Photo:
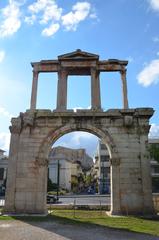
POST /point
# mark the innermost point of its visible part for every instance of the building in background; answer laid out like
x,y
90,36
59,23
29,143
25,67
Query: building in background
x,y
102,168
3,171
64,171
73,164
154,152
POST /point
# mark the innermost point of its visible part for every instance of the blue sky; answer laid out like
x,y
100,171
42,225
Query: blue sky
x,y
32,30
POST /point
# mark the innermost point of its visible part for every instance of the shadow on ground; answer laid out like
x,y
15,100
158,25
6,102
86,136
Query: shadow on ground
x,y
62,228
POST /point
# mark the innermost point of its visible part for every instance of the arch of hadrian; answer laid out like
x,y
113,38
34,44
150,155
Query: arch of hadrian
x,y
124,131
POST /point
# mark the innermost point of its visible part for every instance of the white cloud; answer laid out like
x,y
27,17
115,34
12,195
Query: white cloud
x,y
31,19
80,12
11,19
45,11
155,39
4,141
38,6
154,4
2,55
157,53
78,137
150,74
93,15
51,12
48,12
51,30
5,113
154,131
77,140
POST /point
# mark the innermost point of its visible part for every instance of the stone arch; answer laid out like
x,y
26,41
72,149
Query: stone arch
x,y
104,135
31,142
54,135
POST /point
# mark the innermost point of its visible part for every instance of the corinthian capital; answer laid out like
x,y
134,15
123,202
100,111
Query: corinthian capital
x,y
16,125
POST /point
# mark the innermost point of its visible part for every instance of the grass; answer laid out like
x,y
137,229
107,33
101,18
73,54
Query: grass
x,y
136,224
91,218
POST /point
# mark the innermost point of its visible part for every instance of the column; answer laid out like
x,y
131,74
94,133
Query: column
x,y
95,89
124,88
115,186
34,90
62,90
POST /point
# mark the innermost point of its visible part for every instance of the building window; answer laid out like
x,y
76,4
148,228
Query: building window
x,y
104,158
156,169
155,185
103,147
105,171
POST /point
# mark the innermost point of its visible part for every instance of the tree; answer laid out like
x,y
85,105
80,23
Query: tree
x,y
74,184
89,180
51,186
154,151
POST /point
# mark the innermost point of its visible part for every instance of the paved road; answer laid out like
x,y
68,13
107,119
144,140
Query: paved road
x,y
86,200
20,230
80,200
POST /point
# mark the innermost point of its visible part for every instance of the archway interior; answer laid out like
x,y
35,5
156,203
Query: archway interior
x,y
79,163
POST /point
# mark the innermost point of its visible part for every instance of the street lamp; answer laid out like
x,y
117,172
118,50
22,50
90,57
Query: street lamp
x,y
58,179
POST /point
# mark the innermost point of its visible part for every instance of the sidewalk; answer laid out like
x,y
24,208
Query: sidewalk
x,y
53,230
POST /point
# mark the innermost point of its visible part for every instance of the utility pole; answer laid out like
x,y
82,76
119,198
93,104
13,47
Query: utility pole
x,y
58,178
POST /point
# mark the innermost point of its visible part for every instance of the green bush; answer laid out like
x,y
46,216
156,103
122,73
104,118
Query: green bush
x,y
51,186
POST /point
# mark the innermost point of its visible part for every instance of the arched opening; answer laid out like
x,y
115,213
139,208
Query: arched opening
x,y
103,136
71,165
79,171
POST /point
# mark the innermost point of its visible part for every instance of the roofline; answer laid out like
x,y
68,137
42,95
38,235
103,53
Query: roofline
x,y
2,150
153,140
94,56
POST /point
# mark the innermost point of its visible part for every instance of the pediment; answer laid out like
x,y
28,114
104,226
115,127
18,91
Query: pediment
x,y
78,54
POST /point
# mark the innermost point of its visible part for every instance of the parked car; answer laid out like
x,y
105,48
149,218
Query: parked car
x,y
51,199
2,190
90,190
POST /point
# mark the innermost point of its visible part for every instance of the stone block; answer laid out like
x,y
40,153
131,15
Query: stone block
x,y
20,196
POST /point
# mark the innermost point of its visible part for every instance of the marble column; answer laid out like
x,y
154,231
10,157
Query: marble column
x,y
34,90
62,90
124,88
95,90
